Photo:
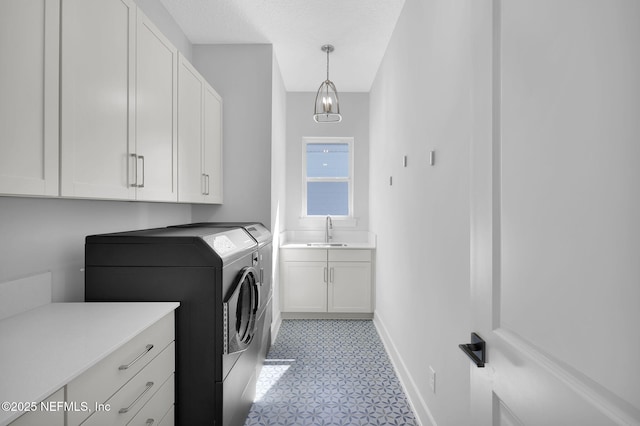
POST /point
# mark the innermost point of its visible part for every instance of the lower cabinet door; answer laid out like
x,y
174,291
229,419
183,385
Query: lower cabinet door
x,y
305,286
349,287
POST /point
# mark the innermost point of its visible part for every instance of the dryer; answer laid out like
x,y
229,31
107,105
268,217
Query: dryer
x,y
264,240
214,274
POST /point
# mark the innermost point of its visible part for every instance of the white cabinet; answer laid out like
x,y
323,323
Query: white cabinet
x,y
97,98
156,138
91,102
119,101
120,378
29,46
199,138
320,280
212,145
100,364
349,281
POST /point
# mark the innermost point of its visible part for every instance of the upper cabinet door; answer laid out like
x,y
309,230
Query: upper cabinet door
x,y
212,145
97,116
29,46
191,179
156,115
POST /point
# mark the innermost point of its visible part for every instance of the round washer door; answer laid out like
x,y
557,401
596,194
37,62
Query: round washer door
x,y
240,311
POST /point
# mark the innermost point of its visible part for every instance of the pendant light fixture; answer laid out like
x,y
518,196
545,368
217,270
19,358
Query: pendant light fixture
x,y
327,108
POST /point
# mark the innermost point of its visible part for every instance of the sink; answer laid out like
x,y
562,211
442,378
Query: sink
x,y
326,245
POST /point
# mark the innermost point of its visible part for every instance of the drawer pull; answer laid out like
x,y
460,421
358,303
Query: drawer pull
x,y
146,350
126,410
149,422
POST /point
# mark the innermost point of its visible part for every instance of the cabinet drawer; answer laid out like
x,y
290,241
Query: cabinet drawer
x,y
41,417
157,407
303,255
349,255
169,418
124,405
101,381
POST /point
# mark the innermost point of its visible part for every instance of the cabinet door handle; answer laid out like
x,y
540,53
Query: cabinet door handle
x,y
126,410
135,170
208,184
325,274
204,184
146,351
140,157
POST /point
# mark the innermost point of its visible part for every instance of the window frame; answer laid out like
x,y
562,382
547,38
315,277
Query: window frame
x,y
307,140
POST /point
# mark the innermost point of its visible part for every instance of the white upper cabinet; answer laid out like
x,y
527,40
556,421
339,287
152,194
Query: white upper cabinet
x,y
199,138
212,145
91,101
156,155
190,99
97,116
29,46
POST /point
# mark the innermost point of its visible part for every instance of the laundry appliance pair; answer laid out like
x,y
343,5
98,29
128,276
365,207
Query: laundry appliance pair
x,y
221,275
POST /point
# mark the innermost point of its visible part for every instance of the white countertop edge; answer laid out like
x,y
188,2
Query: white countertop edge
x,y
362,246
60,341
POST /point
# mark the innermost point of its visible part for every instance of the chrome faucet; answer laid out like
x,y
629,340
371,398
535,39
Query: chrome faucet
x,y
328,227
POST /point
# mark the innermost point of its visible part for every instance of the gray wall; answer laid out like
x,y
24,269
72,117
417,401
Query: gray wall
x,y
242,75
278,172
165,23
420,101
355,123
40,235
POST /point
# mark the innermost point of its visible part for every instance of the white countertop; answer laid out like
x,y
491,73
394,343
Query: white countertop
x,y
363,240
347,246
45,348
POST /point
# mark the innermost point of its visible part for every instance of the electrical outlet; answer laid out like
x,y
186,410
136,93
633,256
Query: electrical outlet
x,y
432,379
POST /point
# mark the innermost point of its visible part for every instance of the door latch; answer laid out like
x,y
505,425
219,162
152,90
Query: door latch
x,y
476,350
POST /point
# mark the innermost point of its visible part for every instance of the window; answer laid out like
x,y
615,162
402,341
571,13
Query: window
x,y
327,175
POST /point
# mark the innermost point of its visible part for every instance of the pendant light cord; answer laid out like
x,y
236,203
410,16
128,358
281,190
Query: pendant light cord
x,y
327,64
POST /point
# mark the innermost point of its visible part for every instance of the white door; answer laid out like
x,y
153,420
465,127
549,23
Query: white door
x,y
556,212
29,47
305,286
156,114
212,145
97,98
190,104
349,287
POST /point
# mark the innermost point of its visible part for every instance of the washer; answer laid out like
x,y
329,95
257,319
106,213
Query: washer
x,y
214,274
264,239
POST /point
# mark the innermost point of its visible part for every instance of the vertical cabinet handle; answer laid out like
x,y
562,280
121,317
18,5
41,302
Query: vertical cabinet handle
x,y
205,184
136,159
140,157
208,184
135,170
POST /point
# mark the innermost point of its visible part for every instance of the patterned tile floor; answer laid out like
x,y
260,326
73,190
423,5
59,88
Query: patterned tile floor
x,y
329,372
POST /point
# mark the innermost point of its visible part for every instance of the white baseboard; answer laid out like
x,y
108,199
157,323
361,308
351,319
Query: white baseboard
x,y
419,406
275,326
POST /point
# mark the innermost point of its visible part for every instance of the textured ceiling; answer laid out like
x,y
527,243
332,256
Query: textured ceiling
x,y
359,30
